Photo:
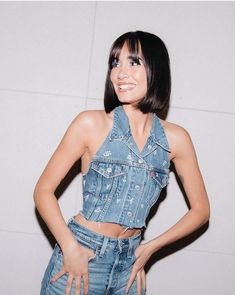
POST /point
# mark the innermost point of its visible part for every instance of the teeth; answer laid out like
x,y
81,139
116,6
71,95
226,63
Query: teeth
x,y
126,86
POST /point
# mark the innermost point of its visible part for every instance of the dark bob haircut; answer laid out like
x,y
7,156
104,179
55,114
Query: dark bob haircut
x,y
157,65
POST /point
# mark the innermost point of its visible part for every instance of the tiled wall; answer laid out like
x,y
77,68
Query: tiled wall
x,y
53,63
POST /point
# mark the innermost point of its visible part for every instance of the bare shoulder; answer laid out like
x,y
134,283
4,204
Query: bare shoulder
x,y
178,138
90,119
92,125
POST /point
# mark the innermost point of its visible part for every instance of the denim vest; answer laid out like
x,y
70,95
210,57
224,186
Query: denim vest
x,y
122,183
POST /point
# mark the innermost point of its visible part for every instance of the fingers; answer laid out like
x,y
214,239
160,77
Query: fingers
x,y
78,285
140,280
143,279
57,276
69,284
139,283
86,283
131,279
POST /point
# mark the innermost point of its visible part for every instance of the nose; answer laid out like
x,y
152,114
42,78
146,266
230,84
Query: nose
x,y
122,73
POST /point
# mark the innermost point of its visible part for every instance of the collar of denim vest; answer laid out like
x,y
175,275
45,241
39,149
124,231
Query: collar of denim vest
x,y
121,128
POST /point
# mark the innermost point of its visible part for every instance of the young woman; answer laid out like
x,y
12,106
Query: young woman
x,y
125,151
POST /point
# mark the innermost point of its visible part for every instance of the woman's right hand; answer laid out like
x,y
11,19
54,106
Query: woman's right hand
x,y
75,264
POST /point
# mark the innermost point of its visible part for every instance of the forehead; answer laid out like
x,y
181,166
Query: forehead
x,y
130,48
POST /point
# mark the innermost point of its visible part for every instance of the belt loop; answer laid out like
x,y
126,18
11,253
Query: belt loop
x,y
130,249
104,246
120,244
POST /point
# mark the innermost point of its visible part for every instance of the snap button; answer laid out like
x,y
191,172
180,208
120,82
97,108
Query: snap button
x,y
109,170
152,174
129,213
140,161
137,187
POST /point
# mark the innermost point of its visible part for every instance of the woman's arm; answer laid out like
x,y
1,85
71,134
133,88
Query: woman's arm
x,y
186,164
70,149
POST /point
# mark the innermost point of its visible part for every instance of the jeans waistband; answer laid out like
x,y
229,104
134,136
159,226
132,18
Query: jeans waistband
x,y
90,236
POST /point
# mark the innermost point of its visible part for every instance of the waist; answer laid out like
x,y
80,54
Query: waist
x,y
112,230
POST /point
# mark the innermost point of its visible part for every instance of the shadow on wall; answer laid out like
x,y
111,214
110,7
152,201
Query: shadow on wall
x,y
73,172
180,244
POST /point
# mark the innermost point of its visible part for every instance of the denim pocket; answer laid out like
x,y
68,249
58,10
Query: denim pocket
x,y
84,245
108,170
49,270
108,176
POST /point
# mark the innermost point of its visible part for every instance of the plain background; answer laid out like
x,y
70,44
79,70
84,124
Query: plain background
x,y
53,58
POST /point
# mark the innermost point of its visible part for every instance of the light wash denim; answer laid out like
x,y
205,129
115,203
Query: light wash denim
x,y
123,183
109,270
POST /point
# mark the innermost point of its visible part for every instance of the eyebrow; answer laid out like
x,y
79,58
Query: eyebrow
x,y
131,57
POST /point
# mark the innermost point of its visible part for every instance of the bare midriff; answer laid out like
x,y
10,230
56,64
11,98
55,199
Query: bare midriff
x,y
109,229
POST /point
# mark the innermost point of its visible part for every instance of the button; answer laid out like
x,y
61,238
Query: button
x,y
137,187
152,174
140,161
129,213
131,200
149,146
109,170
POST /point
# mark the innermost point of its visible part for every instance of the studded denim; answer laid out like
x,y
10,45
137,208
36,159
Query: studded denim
x,y
123,183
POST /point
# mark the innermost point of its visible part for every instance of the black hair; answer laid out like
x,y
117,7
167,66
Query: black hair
x,y
157,64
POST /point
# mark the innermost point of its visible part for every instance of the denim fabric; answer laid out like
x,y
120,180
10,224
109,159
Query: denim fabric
x,y
109,270
123,183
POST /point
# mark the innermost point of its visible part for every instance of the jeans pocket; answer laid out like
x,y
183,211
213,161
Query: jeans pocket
x,y
49,272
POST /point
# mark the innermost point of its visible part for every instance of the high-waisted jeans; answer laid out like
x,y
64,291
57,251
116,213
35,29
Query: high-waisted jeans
x,y
109,270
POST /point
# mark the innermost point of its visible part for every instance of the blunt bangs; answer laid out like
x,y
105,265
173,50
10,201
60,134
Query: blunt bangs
x,y
157,65
133,45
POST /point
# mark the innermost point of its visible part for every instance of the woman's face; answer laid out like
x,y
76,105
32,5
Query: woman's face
x,y
129,77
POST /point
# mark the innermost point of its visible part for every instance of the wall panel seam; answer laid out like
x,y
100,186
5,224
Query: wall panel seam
x,y
91,52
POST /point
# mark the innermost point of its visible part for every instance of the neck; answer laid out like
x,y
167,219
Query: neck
x,y
139,122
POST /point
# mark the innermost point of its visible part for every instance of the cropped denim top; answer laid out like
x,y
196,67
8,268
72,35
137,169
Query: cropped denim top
x,y
122,183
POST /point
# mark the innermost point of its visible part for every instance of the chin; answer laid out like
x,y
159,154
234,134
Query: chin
x,y
129,101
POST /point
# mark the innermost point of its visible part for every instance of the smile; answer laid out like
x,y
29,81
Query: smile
x,y
126,87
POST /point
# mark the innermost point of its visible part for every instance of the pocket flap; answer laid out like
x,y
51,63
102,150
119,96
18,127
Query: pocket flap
x,y
108,170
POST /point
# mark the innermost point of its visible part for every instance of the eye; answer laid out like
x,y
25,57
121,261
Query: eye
x,y
135,61
114,63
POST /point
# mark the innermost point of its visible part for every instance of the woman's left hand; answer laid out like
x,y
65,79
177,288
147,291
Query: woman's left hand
x,y
142,254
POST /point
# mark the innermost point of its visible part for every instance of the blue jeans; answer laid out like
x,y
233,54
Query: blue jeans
x,y
109,270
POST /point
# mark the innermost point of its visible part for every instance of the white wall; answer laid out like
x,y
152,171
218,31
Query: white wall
x,y
53,63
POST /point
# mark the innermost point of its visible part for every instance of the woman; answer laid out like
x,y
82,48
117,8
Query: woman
x,y
125,153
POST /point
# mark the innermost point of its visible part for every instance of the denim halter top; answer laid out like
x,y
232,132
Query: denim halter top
x,y
122,183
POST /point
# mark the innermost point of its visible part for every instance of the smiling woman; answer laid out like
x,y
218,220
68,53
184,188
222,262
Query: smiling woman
x,y
147,53
126,151
128,77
